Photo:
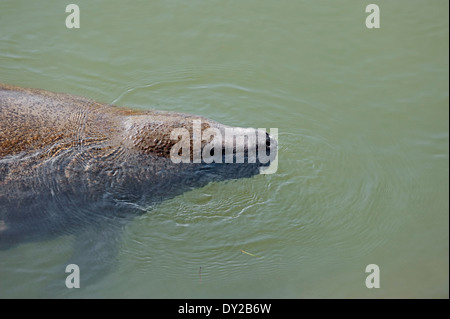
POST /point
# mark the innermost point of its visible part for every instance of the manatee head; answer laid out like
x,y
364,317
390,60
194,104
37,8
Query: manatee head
x,y
166,153
67,161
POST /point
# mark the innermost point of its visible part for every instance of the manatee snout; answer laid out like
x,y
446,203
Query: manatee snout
x,y
186,138
269,147
248,145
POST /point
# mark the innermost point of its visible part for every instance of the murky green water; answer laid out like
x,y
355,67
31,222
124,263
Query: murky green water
x,y
363,131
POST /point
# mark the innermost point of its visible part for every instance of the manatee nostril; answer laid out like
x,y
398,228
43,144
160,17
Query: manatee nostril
x,y
267,140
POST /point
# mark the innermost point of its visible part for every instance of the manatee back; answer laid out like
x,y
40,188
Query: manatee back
x,y
32,120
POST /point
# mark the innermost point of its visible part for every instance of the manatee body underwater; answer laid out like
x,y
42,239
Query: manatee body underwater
x,y
73,166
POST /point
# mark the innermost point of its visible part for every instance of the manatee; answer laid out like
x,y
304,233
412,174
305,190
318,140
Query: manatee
x,y
72,166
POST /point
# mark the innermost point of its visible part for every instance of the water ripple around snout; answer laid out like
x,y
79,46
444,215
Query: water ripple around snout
x,y
229,228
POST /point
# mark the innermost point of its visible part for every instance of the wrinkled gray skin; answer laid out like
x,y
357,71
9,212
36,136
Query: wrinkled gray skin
x,y
70,165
